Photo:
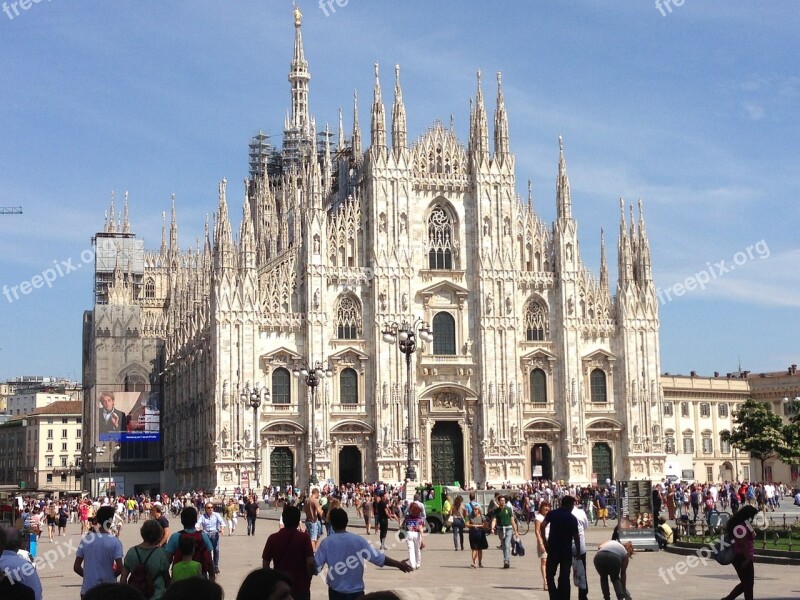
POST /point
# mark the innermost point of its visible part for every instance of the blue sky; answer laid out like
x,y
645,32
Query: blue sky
x,y
695,111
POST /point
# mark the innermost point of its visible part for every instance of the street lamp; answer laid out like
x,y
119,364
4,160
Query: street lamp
x,y
112,451
405,335
312,375
254,398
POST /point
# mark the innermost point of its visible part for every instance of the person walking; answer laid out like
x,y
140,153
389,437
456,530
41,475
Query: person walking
x,y
213,525
601,504
251,513
740,530
611,561
381,516
99,555
314,516
345,549
15,570
230,516
459,513
583,525
152,557
414,526
541,535
505,525
477,524
290,551
558,544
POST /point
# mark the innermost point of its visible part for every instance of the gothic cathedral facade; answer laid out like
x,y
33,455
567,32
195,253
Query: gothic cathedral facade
x,y
535,368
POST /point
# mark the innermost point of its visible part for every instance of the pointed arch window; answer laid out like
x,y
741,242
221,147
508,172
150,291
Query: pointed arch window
x,y
535,322
444,334
440,239
348,387
281,386
150,289
597,382
348,319
538,387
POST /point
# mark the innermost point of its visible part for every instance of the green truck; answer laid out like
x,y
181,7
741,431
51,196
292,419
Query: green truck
x,y
433,498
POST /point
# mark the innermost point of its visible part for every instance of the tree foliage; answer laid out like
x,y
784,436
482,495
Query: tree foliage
x,y
757,431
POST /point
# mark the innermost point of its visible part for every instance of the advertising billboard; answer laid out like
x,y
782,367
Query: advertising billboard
x,y
635,513
128,416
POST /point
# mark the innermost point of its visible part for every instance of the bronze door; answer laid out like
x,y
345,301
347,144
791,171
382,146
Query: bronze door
x,y
281,467
601,463
447,453
350,465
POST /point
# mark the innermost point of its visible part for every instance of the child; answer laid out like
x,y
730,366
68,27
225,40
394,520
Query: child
x,y
187,567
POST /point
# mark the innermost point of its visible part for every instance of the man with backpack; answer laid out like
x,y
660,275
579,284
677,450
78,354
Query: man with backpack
x,y
146,566
202,545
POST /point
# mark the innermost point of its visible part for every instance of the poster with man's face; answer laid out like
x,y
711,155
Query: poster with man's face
x,y
128,416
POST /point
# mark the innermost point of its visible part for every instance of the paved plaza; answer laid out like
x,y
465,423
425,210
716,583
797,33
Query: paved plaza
x,y
446,574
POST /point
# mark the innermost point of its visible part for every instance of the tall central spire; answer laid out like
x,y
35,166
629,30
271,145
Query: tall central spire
x,y
299,78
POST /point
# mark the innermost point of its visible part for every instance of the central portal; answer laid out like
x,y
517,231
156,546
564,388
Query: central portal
x,y
447,453
350,465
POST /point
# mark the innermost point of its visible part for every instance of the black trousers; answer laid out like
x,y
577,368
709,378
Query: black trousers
x,y
251,525
383,524
562,564
746,572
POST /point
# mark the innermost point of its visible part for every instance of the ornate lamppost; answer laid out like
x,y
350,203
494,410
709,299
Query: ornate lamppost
x,y
312,374
405,335
253,396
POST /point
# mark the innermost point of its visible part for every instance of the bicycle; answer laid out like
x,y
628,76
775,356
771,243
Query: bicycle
x,y
523,522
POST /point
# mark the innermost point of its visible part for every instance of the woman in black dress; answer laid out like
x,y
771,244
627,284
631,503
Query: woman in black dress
x,y
477,524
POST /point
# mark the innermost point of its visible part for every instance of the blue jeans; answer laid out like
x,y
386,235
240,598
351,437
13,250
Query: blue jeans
x,y
507,532
214,537
458,532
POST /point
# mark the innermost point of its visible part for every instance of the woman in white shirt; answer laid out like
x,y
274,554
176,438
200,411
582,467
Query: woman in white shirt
x,y
611,561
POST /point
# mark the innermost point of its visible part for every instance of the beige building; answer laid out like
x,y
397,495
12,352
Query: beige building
x,y
41,450
23,403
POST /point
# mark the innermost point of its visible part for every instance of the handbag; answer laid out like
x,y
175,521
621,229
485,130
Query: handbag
x,y
520,548
723,550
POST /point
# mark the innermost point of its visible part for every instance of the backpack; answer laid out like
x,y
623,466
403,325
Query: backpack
x,y
140,577
201,553
709,503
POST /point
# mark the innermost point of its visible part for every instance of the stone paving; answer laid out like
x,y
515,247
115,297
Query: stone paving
x,y
446,574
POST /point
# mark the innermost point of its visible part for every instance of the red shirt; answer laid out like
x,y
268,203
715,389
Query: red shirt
x,y
289,549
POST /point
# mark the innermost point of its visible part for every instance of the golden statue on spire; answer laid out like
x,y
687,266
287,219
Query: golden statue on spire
x,y
298,16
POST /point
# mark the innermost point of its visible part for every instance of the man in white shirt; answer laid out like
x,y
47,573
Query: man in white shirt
x,y
583,525
213,524
16,569
99,556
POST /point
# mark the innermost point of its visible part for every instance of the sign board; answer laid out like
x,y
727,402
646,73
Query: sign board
x,y
245,479
635,514
537,471
687,474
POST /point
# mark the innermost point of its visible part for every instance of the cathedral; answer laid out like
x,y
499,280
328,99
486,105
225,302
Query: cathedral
x,y
535,367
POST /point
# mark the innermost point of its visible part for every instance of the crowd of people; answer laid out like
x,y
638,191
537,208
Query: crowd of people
x,y
313,535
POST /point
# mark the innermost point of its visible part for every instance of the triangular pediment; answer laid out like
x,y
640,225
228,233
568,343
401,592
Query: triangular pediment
x,y
539,353
446,287
281,356
599,355
348,352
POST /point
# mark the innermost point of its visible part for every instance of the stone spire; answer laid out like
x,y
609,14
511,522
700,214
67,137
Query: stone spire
x,y
399,127
378,127
163,233
500,124
357,151
340,142
246,239
126,225
603,263
327,165
479,129
530,196
223,238
624,267
112,223
299,78
645,267
563,195
173,229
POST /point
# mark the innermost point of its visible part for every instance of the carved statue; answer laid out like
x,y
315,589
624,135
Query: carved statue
x,y
382,223
468,347
489,304
382,300
316,244
509,304
385,435
223,437
404,301
248,437
316,299
317,438
514,432
403,225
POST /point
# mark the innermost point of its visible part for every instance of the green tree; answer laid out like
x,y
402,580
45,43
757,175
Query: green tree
x,y
757,431
791,435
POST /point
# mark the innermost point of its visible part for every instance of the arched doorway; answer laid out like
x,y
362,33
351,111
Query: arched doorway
x,y
447,453
350,465
726,471
281,467
542,461
602,462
